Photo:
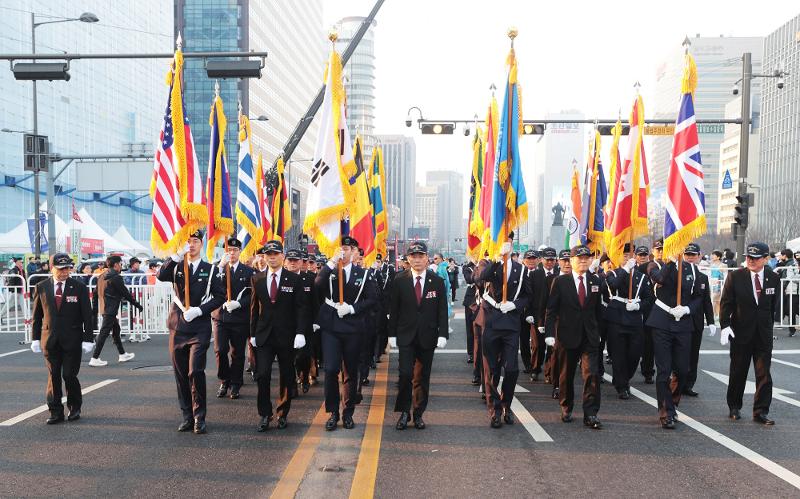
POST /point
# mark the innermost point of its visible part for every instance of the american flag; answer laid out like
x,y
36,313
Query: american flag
x,y
685,216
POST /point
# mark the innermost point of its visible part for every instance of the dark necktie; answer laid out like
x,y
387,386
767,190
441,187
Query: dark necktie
x,y
59,294
418,290
273,288
758,289
581,291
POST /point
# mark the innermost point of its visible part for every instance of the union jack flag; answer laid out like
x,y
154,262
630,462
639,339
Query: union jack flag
x,y
685,214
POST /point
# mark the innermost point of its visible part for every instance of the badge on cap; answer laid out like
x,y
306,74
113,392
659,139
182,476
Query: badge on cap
x,y
293,254
642,250
234,243
757,250
62,261
349,241
416,248
564,254
580,251
198,234
549,253
273,247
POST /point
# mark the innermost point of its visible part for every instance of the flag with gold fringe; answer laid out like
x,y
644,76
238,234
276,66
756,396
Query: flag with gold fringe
x,y
377,197
218,182
473,226
359,210
613,182
481,226
595,195
281,209
572,234
248,205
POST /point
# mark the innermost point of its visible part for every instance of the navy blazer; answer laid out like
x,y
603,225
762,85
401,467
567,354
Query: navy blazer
x,y
517,291
240,291
198,284
665,281
66,326
327,283
426,321
568,321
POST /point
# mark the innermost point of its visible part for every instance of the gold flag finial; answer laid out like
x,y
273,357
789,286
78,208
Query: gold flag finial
x,y
333,35
512,33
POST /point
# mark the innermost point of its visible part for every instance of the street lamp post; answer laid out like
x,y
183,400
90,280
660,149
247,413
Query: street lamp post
x,y
86,17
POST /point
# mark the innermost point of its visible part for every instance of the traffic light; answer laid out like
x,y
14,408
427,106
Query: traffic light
x,y
533,129
608,129
741,210
437,128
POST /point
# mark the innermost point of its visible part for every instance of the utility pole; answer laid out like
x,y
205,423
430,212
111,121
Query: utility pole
x,y
744,149
38,244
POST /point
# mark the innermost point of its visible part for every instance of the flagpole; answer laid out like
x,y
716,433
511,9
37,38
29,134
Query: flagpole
x,y
186,303
228,274
512,33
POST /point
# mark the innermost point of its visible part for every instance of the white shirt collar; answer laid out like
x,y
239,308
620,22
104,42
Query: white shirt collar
x,y
270,273
414,275
575,276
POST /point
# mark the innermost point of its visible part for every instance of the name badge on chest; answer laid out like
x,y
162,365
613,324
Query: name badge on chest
x,y
72,299
770,291
595,289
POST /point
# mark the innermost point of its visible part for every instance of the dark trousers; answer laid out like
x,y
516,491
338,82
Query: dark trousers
x,y
500,350
525,344
188,353
625,348
287,390
110,326
367,354
453,288
568,362
741,356
551,364
230,339
480,367
63,364
415,378
469,318
381,339
538,349
304,362
694,359
341,348
602,328
648,355
316,352
672,351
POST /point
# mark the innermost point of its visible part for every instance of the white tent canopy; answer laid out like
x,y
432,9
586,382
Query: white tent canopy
x,y
122,235
18,240
91,230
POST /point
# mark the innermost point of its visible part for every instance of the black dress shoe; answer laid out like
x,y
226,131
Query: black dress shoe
x,y
508,418
330,424
55,419
470,359
689,392
668,423
555,393
187,425
306,387
534,377
282,423
735,415
763,419
74,415
373,364
418,422
592,422
263,425
402,421
566,417
347,423
199,427
624,395
476,381
223,390
234,393
648,380
365,382
495,422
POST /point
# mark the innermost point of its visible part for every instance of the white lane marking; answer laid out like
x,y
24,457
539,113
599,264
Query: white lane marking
x,y
43,408
725,352
750,387
752,456
528,421
785,363
15,351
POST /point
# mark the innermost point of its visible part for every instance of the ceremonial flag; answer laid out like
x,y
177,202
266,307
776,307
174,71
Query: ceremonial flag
x,y
685,214
248,198
359,209
473,226
482,223
595,195
176,189
266,187
218,183
377,193
613,182
628,204
509,201
573,233
281,209
333,160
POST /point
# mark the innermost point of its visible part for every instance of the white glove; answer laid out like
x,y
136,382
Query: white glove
x,y
594,265
177,257
36,346
505,248
192,313
632,306
441,342
232,305
629,265
393,342
253,341
507,306
87,346
225,260
344,309
299,341
549,341
723,337
679,312
712,329
337,256
529,319
684,310
315,327
541,329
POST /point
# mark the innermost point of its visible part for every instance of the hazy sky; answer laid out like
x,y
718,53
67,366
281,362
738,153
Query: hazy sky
x,y
442,55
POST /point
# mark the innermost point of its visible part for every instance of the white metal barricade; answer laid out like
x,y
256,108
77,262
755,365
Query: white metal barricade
x,y
14,305
788,305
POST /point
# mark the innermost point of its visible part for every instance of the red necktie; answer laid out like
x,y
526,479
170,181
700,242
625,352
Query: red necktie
x,y
59,294
418,290
758,289
581,291
273,288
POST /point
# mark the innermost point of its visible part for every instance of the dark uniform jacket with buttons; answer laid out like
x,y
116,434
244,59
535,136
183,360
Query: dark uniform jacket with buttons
x,y
707,310
426,321
739,311
359,291
66,326
618,283
279,322
206,291
517,292
665,282
467,270
240,291
566,320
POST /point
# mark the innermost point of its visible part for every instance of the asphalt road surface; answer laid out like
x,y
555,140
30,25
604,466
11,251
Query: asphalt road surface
x,y
126,443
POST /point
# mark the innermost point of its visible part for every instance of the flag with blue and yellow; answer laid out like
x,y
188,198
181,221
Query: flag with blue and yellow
x,y
218,186
248,206
377,197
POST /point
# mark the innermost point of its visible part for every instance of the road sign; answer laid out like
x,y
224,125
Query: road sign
x,y
727,181
35,149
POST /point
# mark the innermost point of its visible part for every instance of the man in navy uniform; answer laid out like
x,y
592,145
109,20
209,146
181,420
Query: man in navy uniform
x,y
541,282
417,326
230,323
572,310
62,327
470,309
672,325
501,335
747,308
294,263
702,316
342,327
648,355
279,318
527,329
190,327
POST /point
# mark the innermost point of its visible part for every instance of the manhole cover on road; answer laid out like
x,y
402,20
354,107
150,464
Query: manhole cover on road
x,y
153,369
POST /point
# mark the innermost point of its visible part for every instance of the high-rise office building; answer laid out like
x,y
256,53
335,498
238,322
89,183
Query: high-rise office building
x,y
426,213
400,165
718,67
450,205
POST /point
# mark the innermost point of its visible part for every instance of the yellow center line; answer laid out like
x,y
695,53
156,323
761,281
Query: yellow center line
x,y
367,468
293,475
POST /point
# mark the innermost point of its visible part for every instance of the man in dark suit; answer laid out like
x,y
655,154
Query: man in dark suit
x,y
111,290
190,327
342,325
230,322
385,275
747,309
572,310
527,329
417,325
672,325
648,355
470,310
304,359
501,334
551,366
692,255
62,327
279,319
537,279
